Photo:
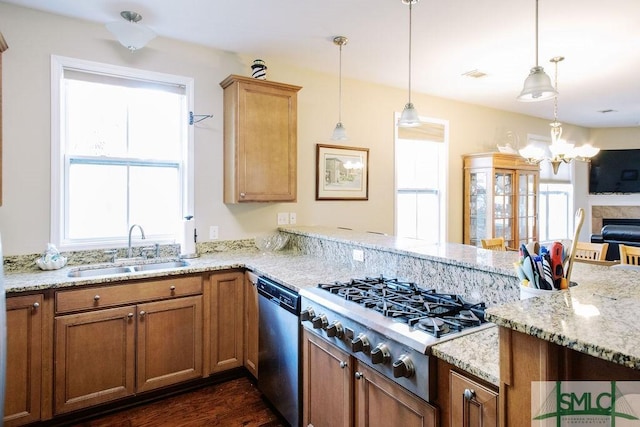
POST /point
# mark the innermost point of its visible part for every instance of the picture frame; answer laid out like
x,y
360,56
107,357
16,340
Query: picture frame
x,y
342,173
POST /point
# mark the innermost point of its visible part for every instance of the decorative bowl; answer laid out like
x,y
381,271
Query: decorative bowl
x,y
271,242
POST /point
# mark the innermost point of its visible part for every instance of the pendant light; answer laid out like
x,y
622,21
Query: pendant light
x,y
537,86
129,32
409,117
340,133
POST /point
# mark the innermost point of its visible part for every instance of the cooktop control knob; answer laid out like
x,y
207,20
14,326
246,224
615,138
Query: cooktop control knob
x,y
307,314
335,329
403,367
320,321
380,354
360,343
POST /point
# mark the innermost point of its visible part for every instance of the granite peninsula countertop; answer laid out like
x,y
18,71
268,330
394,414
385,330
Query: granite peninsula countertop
x,y
598,317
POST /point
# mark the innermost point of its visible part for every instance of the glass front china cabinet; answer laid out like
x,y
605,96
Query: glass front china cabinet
x,y
500,199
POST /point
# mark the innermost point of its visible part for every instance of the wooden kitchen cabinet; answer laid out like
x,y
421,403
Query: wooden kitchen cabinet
x,y
500,199
339,390
327,386
251,320
24,360
472,404
110,352
260,140
226,306
380,402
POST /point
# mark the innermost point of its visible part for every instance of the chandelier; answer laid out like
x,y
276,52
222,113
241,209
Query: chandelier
x,y
340,133
561,151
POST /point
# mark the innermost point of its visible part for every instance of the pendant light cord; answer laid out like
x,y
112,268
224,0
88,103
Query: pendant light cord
x,y
536,33
410,6
340,87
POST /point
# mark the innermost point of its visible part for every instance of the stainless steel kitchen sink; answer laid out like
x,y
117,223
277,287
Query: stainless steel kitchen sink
x,y
107,271
160,265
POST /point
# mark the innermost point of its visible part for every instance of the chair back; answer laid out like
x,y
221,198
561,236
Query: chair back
x,y
495,244
591,251
629,254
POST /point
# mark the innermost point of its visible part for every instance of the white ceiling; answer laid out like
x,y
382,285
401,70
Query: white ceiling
x,y
599,39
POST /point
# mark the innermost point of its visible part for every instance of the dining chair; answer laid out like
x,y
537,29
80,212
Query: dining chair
x,y
629,255
495,244
591,251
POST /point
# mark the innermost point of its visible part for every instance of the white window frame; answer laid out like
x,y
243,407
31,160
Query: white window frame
x,y
58,65
443,199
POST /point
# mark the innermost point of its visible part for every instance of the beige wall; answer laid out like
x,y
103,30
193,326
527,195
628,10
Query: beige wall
x,y
368,112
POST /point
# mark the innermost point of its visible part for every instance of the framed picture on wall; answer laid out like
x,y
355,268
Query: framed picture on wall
x,y
342,173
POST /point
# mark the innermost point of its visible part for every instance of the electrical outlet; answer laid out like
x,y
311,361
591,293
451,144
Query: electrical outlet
x,y
293,218
283,218
213,232
358,255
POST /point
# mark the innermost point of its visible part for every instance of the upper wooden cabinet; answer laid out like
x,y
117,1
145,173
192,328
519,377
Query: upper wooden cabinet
x,y
260,140
500,199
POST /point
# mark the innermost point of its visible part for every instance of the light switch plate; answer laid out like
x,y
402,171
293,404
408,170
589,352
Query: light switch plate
x,y
293,218
213,232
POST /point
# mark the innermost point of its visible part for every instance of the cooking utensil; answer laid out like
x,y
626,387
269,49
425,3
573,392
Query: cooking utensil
x,y
579,220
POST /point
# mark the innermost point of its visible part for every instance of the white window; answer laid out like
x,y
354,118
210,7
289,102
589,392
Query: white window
x,y
420,181
121,153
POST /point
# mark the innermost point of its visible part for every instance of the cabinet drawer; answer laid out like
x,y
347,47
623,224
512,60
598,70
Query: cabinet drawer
x,y
127,293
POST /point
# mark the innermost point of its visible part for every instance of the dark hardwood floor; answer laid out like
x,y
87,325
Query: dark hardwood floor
x,y
235,403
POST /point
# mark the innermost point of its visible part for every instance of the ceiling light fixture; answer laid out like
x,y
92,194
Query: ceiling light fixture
x,y
537,85
130,33
340,133
561,150
409,117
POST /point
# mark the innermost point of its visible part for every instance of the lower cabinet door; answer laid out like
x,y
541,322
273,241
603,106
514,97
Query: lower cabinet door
x,y
380,402
94,358
472,404
327,384
24,360
169,342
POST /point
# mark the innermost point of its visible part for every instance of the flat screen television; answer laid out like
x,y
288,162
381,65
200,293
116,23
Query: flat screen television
x,y
615,171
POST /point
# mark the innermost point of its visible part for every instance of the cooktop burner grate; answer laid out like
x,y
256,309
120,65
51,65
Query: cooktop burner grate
x,y
424,309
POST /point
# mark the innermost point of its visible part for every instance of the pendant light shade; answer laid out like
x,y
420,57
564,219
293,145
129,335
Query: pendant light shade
x,y
129,32
537,85
340,133
409,116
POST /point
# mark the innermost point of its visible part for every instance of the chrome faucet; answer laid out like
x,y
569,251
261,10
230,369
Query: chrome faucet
x,y
130,230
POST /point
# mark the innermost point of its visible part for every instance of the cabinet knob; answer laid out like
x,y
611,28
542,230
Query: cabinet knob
x,y
36,305
343,365
242,194
130,315
142,313
469,394
172,288
359,375
96,298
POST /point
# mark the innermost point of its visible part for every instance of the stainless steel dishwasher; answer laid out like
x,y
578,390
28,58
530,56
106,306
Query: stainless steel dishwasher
x,y
279,348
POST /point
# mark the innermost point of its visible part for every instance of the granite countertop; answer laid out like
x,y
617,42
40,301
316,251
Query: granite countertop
x,y
598,317
290,268
475,353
